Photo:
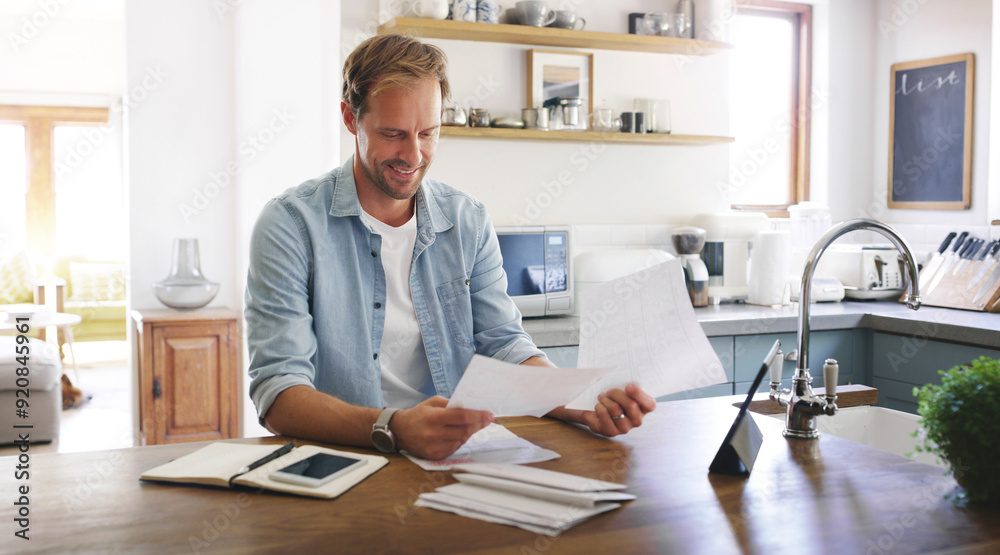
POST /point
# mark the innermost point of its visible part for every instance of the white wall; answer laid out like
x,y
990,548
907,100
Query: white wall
x,y
927,30
236,106
604,184
293,106
61,55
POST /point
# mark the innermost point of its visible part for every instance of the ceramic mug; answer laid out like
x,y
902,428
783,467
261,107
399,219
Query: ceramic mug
x,y
535,13
464,10
433,9
488,11
566,19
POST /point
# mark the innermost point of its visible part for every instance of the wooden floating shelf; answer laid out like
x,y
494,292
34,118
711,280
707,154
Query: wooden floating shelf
x,y
549,36
582,136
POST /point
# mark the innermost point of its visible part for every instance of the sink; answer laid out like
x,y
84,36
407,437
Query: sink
x,y
880,428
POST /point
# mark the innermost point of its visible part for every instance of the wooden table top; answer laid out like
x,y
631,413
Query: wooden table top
x,y
834,495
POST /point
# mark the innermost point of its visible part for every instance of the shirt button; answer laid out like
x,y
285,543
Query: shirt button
x,y
375,356
374,254
378,305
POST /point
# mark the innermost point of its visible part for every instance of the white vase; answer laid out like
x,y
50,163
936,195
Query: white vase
x,y
185,287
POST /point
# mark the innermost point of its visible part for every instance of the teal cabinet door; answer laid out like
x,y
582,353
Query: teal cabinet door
x,y
900,363
750,351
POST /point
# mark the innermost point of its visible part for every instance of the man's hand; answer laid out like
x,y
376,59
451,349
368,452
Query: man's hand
x,y
616,412
431,431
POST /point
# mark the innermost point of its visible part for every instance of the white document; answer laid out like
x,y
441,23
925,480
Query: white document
x,y
644,325
507,389
493,444
539,476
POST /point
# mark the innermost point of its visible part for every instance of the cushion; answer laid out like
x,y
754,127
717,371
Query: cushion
x,y
17,279
96,281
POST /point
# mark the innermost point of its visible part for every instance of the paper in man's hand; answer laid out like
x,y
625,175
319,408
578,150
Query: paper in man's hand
x,y
507,389
644,325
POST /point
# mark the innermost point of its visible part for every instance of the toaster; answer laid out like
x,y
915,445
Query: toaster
x,y
863,267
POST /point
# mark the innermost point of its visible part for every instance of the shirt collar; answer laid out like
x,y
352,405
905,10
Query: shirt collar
x,y
345,201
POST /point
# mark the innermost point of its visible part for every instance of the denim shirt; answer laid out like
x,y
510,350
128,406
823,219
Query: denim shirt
x,y
316,292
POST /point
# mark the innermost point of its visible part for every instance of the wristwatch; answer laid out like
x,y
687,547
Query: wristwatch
x,y
381,434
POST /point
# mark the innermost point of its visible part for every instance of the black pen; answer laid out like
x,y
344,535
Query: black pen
x,y
284,450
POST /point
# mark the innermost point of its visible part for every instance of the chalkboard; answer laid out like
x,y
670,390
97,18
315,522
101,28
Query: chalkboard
x,y
930,133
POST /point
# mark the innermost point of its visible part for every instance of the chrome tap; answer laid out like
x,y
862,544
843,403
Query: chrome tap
x,y
803,405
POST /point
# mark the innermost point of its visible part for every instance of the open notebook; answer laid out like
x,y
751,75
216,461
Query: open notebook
x,y
219,464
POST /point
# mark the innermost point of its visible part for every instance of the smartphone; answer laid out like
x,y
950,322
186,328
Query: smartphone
x,y
317,470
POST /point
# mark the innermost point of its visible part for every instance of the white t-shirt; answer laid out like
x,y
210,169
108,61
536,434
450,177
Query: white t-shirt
x,y
406,375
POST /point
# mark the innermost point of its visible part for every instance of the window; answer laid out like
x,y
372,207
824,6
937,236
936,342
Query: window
x,y
770,83
44,187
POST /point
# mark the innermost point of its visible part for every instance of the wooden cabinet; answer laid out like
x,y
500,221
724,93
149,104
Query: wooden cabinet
x,y
189,380
548,36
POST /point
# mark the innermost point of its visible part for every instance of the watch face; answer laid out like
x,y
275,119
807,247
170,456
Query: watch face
x,y
383,441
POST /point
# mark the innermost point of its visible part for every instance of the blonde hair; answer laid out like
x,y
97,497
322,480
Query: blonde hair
x,y
386,61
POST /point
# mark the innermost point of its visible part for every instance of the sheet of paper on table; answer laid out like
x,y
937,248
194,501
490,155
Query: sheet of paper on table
x,y
493,444
644,325
507,389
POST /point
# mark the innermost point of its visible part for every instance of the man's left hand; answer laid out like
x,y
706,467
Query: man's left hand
x,y
616,412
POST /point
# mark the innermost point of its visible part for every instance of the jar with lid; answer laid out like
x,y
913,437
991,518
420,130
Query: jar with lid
x,y
809,221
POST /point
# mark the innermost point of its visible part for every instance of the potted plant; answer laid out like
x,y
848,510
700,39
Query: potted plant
x,y
962,422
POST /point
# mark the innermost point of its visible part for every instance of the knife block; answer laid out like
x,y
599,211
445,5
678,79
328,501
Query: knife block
x,y
951,293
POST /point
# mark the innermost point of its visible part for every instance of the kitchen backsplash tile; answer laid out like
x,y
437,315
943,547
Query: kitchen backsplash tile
x,y
628,235
592,235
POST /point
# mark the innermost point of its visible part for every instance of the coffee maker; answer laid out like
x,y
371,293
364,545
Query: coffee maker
x,y
688,242
728,241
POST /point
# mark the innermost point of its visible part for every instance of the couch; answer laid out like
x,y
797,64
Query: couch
x,y
93,289
44,391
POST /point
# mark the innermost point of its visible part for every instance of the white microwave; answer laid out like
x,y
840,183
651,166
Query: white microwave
x,y
539,268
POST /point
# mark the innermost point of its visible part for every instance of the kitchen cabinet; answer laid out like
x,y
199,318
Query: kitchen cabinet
x,y
742,355
566,357
750,351
189,374
900,363
548,36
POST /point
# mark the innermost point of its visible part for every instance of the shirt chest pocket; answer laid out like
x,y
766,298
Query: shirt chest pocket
x,y
456,302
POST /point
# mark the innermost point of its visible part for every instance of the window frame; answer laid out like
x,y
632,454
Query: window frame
x,y
39,127
800,115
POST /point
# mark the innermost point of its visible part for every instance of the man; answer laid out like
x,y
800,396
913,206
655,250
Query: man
x,y
373,286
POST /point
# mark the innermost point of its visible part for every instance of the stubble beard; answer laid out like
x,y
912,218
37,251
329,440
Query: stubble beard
x,y
382,183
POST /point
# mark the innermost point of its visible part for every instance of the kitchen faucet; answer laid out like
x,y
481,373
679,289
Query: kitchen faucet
x,y
803,405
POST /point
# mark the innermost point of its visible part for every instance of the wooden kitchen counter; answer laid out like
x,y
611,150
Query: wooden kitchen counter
x,y
830,495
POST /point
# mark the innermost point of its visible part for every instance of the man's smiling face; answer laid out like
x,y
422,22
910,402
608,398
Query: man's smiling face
x,y
397,138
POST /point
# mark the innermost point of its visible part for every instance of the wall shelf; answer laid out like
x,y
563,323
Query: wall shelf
x,y
549,36
581,136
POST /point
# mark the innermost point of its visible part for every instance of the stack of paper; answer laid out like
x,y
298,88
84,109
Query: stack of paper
x,y
542,501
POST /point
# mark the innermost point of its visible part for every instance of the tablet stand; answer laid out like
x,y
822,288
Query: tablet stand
x,y
739,449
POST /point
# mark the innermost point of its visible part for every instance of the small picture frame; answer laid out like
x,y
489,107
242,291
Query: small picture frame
x,y
560,73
